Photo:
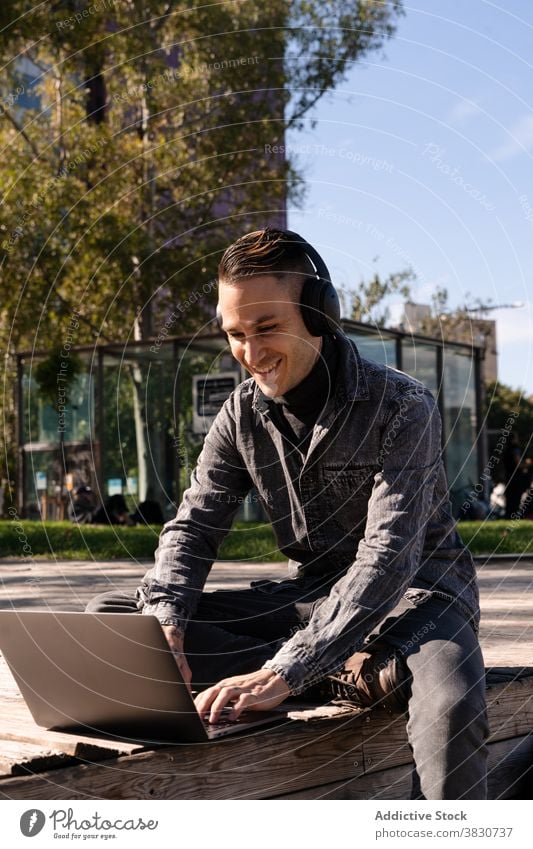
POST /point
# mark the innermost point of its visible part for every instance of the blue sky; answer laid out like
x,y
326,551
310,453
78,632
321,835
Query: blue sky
x,y
423,157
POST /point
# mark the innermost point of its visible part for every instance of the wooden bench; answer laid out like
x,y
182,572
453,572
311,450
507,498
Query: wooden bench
x,y
315,752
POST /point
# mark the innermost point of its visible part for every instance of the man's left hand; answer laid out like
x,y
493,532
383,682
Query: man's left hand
x,y
261,690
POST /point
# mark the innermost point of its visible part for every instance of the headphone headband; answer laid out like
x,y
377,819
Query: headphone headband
x,y
312,253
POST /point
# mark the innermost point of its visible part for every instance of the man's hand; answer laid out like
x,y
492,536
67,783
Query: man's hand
x,y
174,637
261,690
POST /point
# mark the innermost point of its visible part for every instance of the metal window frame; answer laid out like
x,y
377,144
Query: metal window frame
x,y
210,342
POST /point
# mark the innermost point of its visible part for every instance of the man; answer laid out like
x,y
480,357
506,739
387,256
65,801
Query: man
x,y
345,455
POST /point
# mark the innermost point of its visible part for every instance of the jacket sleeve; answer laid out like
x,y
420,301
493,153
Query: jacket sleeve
x,y
389,554
189,544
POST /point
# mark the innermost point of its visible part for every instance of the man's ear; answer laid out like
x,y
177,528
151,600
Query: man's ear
x,y
218,317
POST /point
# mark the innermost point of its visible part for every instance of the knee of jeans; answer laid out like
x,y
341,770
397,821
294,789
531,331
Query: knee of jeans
x,y
100,603
94,606
460,714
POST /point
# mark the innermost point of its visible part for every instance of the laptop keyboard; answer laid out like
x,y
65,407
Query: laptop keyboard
x,y
225,723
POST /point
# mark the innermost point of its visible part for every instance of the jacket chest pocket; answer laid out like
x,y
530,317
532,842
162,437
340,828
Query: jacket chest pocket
x,y
347,492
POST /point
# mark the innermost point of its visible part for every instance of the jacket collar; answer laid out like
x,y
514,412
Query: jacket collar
x,y
353,377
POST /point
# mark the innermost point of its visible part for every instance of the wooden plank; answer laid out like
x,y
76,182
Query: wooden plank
x,y
71,584
76,745
500,674
506,632
294,761
510,709
392,783
19,758
384,738
385,742
510,767
509,763
282,760
279,761
510,713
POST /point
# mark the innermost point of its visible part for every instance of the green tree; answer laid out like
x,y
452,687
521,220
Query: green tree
x,y
146,149
465,323
504,405
368,301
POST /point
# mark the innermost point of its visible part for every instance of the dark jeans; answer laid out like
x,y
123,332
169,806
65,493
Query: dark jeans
x,y
236,631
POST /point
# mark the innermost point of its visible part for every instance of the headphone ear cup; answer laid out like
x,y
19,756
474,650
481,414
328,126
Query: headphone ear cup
x,y
320,307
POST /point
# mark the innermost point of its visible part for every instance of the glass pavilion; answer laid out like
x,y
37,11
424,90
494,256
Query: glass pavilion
x,y
131,420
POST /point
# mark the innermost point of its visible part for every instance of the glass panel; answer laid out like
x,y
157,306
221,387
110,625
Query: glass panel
x,y
420,360
381,349
459,425
150,444
30,409
41,482
137,424
41,421
52,476
188,443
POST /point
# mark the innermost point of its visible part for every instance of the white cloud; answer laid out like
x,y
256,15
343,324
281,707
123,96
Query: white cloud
x,y
462,110
520,139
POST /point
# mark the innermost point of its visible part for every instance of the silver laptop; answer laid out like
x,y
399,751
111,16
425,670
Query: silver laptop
x,y
107,673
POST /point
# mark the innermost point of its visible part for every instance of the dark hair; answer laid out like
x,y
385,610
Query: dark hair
x,y
269,251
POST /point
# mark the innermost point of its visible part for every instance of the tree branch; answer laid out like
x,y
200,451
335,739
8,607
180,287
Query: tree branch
x,y
98,333
22,132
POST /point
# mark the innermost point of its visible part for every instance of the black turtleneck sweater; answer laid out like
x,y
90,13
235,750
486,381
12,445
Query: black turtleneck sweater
x,y
296,412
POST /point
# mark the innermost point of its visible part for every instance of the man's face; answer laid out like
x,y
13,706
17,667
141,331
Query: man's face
x,y
267,334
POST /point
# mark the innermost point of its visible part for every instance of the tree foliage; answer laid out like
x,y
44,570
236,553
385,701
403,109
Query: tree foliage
x,y
146,149
369,298
465,323
49,379
506,406
134,139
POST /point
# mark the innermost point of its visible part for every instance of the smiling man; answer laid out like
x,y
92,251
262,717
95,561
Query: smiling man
x,y
345,455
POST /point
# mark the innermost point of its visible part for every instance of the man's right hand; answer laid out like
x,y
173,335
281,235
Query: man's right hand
x,y
175,637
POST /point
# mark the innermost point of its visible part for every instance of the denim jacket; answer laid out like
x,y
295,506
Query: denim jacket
x,y
364,516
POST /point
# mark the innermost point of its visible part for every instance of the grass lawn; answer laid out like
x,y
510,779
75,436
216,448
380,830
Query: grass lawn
x,y
246,541
64,540
501,537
